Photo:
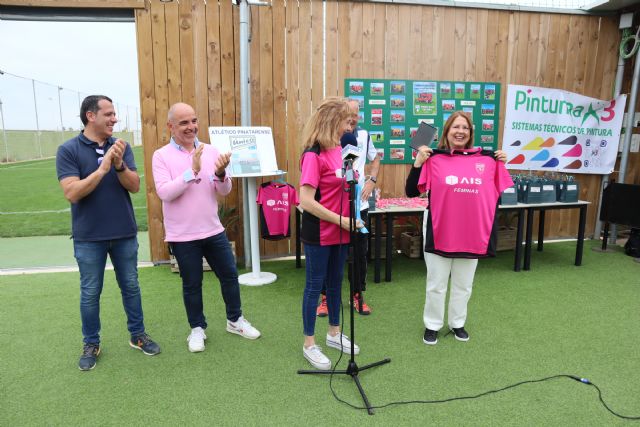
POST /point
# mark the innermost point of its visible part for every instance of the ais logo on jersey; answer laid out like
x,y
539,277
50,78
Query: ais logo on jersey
x,y
272,202
453,180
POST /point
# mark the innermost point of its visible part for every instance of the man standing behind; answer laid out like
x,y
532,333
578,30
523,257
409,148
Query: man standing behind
x,y
367,185
97,173
189,175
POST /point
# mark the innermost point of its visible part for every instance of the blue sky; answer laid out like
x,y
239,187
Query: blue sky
x,y
90,58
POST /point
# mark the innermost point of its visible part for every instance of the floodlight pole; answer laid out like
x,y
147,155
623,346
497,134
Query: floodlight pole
x,y
4,135
35,109
60,111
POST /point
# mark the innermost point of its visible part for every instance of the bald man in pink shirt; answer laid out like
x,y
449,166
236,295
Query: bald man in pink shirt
x,y
189,176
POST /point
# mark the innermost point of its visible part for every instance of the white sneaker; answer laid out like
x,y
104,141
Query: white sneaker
x,y
315,356
196,340
243,328
346,344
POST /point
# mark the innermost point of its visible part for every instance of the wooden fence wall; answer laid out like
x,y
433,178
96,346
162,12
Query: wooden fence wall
x,y
188,51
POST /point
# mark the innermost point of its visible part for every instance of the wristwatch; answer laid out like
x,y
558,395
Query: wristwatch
x,y
123,167
373,179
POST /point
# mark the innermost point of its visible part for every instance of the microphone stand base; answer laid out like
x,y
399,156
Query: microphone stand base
x,y
352,370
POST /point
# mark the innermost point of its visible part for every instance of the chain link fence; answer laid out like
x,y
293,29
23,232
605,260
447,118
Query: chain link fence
x,y
36,117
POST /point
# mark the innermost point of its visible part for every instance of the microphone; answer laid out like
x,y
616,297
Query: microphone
x,y
349,145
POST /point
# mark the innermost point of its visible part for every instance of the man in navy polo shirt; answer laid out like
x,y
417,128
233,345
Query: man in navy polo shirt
x,y
97,172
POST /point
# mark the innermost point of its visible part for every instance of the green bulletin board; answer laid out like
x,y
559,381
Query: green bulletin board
x,y
391,111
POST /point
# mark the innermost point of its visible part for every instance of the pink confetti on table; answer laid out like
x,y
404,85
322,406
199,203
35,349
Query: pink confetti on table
x,y
404,202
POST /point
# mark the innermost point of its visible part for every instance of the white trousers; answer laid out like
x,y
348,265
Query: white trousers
x,y
439,269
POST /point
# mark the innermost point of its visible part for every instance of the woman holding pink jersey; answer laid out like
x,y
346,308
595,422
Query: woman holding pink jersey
x,y
463,183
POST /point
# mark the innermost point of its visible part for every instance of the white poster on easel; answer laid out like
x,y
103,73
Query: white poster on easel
x,y
252,149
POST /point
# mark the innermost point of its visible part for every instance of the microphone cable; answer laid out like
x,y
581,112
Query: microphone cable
x,y
489,392
471,397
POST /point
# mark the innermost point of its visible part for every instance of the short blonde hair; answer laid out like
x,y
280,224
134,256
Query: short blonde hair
x,y
323,127
444,142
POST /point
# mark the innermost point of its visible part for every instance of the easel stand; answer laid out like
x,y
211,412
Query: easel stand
x,y
352,368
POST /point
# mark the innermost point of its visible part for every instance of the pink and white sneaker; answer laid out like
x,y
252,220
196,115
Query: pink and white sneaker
x,y
243,328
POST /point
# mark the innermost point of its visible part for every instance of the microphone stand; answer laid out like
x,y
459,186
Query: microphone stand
x,y
352,368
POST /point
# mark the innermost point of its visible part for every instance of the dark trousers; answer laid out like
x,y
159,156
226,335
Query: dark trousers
x,y
217,251
324,266
362,240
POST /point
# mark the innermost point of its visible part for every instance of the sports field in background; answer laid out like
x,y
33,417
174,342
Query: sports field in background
x,y
32,203
21,145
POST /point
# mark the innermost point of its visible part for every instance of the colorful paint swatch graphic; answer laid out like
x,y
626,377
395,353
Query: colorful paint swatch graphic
x,y
541,156
516,144
534,144
551,163
517,160
576,151
576,164
550,142
569,141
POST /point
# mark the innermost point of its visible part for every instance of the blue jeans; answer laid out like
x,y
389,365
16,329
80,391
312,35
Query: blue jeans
x,y
324,265
92,258
217,251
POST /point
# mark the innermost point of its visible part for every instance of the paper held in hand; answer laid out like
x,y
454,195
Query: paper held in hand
x,y
252,149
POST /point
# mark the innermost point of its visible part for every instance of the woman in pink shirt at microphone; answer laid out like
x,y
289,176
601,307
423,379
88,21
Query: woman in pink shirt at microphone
x,y
325,223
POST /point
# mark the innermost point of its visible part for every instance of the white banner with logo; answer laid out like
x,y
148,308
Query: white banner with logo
x,y
556,130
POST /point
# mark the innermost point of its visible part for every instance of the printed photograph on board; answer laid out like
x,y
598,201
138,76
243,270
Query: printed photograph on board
x,y
475,91
424,99
397,116
397,101
489,92
356,88
377,89
376,117
396,153
488,109
397,86
358,98
445,90
397,131
377,136
448,105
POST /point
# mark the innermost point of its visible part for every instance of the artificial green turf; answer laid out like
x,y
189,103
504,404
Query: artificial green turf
x,y
554,319
29,188
51,251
